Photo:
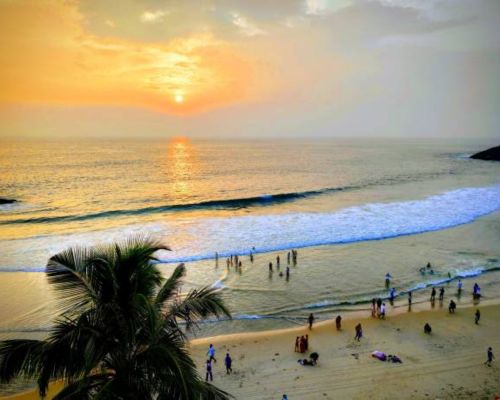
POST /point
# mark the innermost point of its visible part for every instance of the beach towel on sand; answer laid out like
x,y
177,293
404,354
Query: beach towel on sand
x,y
379,355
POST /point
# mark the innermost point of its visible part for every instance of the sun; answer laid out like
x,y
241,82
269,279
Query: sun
x,y
179,98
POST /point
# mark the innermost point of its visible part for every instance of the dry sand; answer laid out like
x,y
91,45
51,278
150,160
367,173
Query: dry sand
x,y
448,364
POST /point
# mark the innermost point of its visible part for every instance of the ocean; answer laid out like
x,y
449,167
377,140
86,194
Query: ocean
x,y
353,209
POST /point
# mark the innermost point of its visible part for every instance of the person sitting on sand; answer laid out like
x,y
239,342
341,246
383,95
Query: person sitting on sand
x,y
285,397
297,344
477,317
338,322
359,332
452,307
427,328
313,360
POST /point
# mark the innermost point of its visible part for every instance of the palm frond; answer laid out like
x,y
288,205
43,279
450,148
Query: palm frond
x,y
20,357
198,304
170,286
84,388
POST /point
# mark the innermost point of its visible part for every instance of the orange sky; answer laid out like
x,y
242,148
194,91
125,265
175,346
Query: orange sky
x,y
48,56
249,68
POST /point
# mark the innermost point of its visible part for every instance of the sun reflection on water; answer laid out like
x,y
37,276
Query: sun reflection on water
x,y
182,166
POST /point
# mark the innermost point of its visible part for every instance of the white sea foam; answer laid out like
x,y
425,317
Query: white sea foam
x,y
373,221
199,238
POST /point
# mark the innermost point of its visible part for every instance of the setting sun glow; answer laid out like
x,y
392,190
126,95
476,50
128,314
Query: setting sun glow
x,y
179,98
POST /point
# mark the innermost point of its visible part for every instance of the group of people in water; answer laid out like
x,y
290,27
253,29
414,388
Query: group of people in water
x,y
236,262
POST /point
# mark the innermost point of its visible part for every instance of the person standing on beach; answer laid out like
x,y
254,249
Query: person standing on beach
x,y
211,353
251,257
382,311
311,320
433,295
297,344
228,362
306,342
287,272
359,332
441,294
379,304
459,287
410,297
387,279
288,258
302,344
477,317
490,356
270,267
208,367
278,261
338,322
392,295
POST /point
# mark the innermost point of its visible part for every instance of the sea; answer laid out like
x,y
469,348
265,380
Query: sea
x,y
353,209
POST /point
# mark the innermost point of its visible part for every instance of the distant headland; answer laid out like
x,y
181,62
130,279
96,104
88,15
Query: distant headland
x,y
7,201
492,154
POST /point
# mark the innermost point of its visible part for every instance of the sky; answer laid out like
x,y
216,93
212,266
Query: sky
x,y
255,68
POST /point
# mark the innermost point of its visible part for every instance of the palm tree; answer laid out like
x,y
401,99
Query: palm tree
x,y
119,333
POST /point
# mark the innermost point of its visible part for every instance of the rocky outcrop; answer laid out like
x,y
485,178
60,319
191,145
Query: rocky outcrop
x,y
7,201
492,154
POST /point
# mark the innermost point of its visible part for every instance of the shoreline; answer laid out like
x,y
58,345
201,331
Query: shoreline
x,y
447,361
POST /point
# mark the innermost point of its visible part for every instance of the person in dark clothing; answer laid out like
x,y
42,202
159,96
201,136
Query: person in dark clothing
x,y
433,295
410,297
306,342
270,267
490,356
297,344
427,328
452,307
208,367
441,294
311,320
359,332
477,317
338,322
379,304
228,362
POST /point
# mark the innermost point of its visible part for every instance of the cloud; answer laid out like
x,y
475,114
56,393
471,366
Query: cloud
x,y
153,16
110,23
68,65
246,27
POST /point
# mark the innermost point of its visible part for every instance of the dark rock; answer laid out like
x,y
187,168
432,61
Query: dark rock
x,y
7,201
492,154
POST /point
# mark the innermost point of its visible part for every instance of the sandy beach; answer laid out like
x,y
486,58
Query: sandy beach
x,y
448,364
